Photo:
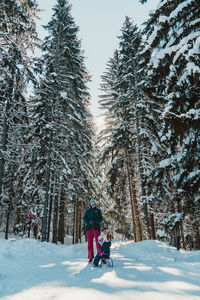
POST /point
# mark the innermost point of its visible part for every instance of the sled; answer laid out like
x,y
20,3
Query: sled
x,y
107,261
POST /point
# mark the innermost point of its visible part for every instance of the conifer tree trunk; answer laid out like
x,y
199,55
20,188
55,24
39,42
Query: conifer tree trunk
x,y
151,221
197,238
134,205
29,228
136,213
182,236
1,217
80,221
50,210
55,221
48,176
77,223
55,214
35,230
152,227
3,150
7,221
45,216
49,217
131,201
140,167
74,224
61,224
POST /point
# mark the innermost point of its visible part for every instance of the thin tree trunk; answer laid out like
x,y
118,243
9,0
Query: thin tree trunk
x,y
1,217
35,230
197,238
152,227
136,213
191,242
182,236
178,237
61,226
50,210
55,216
74,224
45,216
7,221
84,228
134,205
49,218
77,223
131,196
29,228
80,221
2,159
139,158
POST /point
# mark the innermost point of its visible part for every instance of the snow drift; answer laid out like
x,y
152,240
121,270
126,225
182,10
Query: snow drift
x,y
149,270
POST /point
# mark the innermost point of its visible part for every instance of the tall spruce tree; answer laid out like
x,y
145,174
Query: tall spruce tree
x,y
124,138
112,157
17,38
61,155
172,57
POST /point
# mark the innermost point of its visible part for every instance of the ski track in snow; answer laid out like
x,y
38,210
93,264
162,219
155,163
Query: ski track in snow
x,y
31,270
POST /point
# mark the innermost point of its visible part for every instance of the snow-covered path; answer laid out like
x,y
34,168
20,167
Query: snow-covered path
x,y
30,270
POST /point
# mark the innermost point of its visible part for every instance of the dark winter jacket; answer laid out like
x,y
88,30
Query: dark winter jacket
x,y
105,248
92,218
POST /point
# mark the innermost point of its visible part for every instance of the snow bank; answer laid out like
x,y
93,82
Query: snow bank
x,y
149,270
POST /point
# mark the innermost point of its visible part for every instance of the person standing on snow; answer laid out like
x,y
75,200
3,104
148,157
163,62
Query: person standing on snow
x,y
92,220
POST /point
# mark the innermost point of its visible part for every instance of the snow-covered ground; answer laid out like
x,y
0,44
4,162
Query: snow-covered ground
x,y
31,270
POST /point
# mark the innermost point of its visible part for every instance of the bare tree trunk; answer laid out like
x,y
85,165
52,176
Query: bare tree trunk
x,y
141,170
1,217
84,228
2,159
197,238
136,214
77,223
182,236
74,224
35,230
7,221
191,242
29,228
131,196
178,237
49,218
50,209
61,224
45,216
80,221
151,226
55,216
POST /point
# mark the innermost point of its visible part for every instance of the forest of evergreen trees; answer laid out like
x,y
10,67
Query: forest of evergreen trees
x,y
143,168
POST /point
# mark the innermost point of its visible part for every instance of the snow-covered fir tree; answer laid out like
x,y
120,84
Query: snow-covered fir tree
x,y
61,160
128,110
172,57
17,38
112,156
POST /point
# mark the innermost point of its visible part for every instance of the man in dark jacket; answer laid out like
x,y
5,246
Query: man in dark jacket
x,y
92,220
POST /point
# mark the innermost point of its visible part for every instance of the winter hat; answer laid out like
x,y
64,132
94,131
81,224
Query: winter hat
x,y
101,239
92,201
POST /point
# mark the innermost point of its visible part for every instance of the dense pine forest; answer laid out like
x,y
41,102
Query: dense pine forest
x,y
143,168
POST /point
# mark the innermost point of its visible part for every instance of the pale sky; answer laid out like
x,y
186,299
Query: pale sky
x,y
99,23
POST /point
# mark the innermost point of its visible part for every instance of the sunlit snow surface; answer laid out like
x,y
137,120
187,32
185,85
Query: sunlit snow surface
x,y
31,270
